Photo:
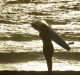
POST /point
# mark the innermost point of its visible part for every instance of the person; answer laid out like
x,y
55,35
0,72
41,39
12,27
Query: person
x,y
47,44
45,35
47,47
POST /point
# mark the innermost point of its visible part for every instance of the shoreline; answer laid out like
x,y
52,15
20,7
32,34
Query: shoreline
x,y
39,73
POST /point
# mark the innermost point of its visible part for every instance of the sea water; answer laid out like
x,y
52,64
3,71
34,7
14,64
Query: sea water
x,y
21,46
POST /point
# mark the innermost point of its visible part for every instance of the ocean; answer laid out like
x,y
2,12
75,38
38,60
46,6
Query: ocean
x,y
20,44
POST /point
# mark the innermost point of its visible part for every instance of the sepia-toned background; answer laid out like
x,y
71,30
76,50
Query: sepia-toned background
x,y
20,45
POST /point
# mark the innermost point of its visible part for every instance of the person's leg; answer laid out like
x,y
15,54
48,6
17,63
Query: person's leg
x,y
48,56
49,64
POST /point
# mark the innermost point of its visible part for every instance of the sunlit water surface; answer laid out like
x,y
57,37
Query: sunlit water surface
x,y
21,44
36,46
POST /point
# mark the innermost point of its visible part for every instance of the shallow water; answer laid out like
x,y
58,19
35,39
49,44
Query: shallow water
x,y
20,46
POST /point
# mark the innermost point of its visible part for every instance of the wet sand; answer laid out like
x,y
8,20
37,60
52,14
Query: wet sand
x,y
39,73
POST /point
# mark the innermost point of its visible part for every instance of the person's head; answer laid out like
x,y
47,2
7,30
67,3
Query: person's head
x,y
40,25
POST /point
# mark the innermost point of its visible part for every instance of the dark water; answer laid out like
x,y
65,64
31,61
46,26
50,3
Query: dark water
x,y
20,46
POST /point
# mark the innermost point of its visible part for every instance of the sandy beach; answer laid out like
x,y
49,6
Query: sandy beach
x,y
39,73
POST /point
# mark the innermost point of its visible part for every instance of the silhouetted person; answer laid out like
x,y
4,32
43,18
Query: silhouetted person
x,y
45,35
47,47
